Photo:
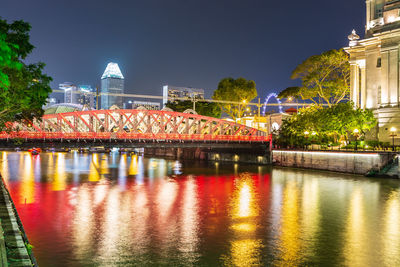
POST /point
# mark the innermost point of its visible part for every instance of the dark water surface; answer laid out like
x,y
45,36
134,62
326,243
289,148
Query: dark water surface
x,y
122,210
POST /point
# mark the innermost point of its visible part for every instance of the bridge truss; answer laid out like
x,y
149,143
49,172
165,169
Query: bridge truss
x,y
134,124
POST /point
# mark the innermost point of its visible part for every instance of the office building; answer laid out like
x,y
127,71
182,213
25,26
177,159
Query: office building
x,y
112,82
181,92
70,92
146,104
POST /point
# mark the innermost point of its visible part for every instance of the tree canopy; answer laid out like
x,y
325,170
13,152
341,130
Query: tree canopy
x,y
235,90
202,108
325,78
332,123
23,87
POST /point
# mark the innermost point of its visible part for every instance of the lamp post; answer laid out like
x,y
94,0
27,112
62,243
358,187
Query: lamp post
x,y
356,132
393,134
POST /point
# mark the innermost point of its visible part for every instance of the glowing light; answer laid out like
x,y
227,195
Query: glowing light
x,y
246,227
246,252
267,100
59,182
306,133
335,154
356,131
112,71
393,129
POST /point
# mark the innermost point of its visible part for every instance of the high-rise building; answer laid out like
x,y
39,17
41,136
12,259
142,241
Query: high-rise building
x,y
374,65
86,96
146,104
82,94
70,92
112,82
181,92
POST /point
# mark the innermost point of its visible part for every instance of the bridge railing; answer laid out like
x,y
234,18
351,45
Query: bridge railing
x,y
134,124
136,136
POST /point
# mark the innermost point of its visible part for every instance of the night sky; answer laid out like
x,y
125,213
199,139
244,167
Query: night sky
x,y
183,43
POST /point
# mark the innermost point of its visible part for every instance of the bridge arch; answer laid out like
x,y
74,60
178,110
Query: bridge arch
x,y
135,124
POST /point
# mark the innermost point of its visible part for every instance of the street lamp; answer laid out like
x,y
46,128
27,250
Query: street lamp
x,y
393,134
355,133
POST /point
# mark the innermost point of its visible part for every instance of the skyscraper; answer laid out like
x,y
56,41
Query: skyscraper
x,y
70,92
181,92
112,82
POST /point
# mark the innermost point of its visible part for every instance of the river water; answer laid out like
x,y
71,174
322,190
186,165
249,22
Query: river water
x,y
128,210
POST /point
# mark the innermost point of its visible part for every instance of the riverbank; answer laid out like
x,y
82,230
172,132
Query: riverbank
x,y
337,161
15,248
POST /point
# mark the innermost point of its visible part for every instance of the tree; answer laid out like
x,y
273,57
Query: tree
x,y
239,90
202,108
23,87
290,92
325,78
329,123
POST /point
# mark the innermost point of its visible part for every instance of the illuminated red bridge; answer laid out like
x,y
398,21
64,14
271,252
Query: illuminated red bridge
x,y
134,126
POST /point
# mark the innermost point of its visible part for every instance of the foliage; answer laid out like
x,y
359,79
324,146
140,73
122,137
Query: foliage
x,y
325,125
23,87
290,92
239,90
325,78
202,108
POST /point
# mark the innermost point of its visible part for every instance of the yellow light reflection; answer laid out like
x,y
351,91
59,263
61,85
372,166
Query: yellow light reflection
x,y
290,229
104,165
246,252
59,181
133,166
246,227
244,200
4,166
310,212
94,172
355,242
244,214
83,221
391,233
189,221
27,182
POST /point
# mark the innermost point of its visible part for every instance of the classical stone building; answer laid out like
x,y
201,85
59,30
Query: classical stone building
x,y
374,63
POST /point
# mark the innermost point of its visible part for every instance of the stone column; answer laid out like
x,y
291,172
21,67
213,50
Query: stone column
x,y
354,83
393,74
384,78
363,88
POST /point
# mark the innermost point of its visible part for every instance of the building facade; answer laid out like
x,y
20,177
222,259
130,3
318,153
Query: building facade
x,y
374,65
112,82
181,92
86,96
146,104
82,94
70,92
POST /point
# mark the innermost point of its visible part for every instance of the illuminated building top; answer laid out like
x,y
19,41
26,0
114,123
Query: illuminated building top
x,y
112,71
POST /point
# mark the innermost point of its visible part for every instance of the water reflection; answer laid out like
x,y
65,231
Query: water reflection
x,y
125,210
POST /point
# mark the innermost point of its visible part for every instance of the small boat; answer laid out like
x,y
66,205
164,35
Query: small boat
x,y
35,151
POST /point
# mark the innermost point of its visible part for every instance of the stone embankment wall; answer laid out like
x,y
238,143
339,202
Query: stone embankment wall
x,y
15,249
206,154
357,163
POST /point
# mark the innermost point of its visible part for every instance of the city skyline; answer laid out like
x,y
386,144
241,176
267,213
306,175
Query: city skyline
x,y
190,44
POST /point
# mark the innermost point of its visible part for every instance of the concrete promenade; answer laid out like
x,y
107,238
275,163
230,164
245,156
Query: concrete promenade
x,y
15,249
